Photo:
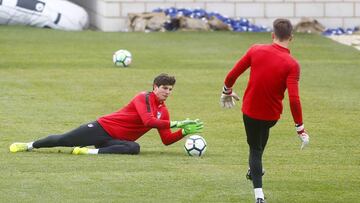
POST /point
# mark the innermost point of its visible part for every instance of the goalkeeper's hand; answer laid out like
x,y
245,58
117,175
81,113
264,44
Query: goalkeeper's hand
x,y
228,97
302,134
193,128
182,124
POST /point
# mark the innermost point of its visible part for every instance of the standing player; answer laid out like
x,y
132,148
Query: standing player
x,y
116,133
272,71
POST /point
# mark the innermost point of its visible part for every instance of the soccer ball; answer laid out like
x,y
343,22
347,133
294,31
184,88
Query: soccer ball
x,y
122,58
195,145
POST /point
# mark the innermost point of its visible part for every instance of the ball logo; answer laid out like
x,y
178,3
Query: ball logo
x,y
90,125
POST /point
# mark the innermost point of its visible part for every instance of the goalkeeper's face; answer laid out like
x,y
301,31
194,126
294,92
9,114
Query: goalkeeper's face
x,y
163,91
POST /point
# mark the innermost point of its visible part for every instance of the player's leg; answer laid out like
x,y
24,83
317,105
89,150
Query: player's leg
x,y
257,132
87,134
264,132
111,146
114,146
254,140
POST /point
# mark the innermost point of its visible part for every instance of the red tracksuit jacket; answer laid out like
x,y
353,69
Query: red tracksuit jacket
x,y
135,119
272,71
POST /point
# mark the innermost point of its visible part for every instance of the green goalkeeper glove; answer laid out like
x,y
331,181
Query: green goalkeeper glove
x,y
193,128
182,124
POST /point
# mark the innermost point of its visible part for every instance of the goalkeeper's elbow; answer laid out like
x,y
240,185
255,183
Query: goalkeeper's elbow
x,y
167,143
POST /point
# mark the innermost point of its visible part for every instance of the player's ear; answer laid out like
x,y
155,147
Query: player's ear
x,y
272,35
155,87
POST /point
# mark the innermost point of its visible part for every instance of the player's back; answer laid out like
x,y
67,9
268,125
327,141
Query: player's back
x,y
269,69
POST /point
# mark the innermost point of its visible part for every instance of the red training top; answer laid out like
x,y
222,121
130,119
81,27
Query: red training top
x,y
272,70
135,119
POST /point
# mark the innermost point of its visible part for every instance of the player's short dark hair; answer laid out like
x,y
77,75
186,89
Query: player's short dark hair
x,y
283,29
164,79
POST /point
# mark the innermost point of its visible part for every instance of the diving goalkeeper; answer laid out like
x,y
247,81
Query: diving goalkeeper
x,y
117,132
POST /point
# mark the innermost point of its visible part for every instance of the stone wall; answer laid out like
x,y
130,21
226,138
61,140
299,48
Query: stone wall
x,y
111,15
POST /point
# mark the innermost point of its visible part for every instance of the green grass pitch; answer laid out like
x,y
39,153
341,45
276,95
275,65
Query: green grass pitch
x,y
53,81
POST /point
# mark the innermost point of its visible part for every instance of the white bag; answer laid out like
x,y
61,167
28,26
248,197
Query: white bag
x,y
56,14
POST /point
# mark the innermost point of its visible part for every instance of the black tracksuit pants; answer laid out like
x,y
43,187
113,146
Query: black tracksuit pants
x,y
87,135
257,133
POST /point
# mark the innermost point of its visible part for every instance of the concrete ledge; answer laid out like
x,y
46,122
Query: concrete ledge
x,y
331,13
